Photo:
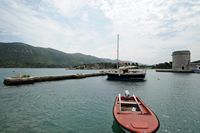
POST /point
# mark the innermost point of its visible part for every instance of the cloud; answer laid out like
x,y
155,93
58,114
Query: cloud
x,y
150,17
149,30
40,29
65,8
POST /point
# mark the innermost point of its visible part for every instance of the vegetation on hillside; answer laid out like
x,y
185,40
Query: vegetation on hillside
x,y
165,65
23,55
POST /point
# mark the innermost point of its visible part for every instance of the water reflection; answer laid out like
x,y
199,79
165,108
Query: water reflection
x,y
116,128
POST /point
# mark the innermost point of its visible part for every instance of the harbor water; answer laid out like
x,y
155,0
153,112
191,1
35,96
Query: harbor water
x,y
85,105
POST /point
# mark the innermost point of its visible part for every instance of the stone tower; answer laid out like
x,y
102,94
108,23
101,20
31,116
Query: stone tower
x,y
181,60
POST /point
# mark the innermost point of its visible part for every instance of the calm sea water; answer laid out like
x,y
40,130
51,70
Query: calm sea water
x,y
85,105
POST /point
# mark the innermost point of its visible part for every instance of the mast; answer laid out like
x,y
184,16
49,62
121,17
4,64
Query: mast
x,y
117,51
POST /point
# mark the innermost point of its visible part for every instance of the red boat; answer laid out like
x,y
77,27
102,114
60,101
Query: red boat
x,y
133,115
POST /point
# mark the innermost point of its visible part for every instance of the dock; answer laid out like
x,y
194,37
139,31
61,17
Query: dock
x,y
173,71
13,81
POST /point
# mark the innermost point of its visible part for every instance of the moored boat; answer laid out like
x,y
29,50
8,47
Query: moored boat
x,y
128,73
133,115
196,69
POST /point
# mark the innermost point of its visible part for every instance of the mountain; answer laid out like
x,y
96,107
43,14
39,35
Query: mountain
x,y
18,54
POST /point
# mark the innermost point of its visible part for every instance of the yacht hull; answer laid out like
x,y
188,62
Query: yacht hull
x,y
126,77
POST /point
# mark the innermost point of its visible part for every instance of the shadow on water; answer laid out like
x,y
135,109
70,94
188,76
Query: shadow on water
x,y
116,128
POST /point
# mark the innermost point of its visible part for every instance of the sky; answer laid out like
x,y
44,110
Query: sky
x,y
149,30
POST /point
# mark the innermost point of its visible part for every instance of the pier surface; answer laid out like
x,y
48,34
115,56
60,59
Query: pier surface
x,y
11,81
171,70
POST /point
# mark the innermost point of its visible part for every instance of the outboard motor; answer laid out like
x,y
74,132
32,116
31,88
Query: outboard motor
x,y
127,94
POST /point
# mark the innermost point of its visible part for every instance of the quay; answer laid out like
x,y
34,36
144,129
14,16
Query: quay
x,y
174,71
12,81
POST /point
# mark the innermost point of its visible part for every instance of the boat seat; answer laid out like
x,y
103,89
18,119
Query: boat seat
x,y
124,102
139,125
128,102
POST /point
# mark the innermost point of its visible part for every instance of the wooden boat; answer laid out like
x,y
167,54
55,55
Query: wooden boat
x,y
133,115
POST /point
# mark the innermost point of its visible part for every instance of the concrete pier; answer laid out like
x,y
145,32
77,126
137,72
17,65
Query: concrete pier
x,y
174,71
12,81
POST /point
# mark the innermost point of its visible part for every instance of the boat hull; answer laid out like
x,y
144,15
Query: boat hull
x,y
126,119
196,70
125,77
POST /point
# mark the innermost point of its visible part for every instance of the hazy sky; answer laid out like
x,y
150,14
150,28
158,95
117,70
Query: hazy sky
x,y
150,30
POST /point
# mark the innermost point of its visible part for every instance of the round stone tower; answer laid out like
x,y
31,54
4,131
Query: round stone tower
x,y
181,60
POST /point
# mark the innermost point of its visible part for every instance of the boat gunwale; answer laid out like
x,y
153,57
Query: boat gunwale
x,y
132,113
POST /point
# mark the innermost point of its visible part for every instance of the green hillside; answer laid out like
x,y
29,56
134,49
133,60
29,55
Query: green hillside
x,y
24,55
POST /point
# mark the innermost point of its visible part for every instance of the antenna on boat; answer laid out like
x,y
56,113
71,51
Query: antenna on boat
x,y
117,51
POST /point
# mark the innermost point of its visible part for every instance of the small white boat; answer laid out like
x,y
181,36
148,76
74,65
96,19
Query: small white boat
x,y
196,69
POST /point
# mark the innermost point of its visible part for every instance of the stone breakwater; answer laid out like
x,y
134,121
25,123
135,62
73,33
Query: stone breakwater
x,y
12,81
